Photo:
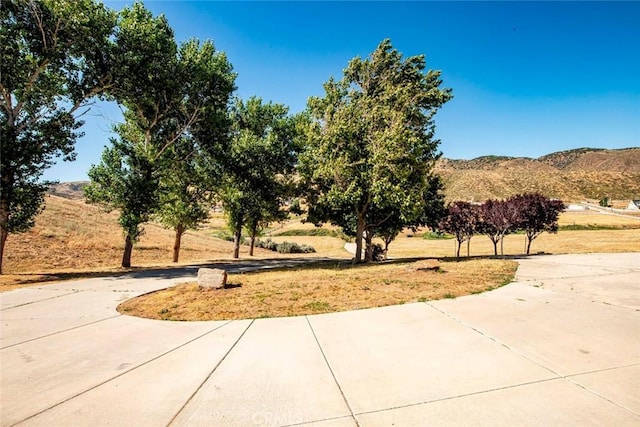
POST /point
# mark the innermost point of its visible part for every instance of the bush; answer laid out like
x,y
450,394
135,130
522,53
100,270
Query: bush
x,y
223,235
285,247
436,235
320,232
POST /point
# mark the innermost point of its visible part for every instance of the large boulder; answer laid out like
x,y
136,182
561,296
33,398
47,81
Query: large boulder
x,y
212,278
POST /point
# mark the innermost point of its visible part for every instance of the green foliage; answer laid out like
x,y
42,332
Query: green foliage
x,y
124,180
176,104
295,207
284,247
604,202
257,165
56,55
371,142
436,235
184,196
223,235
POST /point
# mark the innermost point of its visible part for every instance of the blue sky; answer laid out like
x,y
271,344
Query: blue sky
x,y
529,78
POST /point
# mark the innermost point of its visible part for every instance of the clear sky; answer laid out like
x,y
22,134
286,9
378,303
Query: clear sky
x,y
528,78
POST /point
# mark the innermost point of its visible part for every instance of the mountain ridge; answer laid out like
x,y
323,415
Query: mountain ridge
x,y
570,175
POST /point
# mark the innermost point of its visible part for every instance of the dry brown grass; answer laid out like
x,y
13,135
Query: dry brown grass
x,y
74,239
624,239
313,290
590,217
565,242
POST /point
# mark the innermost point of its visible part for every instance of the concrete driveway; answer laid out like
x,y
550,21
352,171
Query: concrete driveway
x,y
559,346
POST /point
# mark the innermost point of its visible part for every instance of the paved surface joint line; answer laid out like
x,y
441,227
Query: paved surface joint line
x,y
495,340
210,373
571,380
567,378
62,331
40,300
443,399
323,420
332,373
604,384
119,375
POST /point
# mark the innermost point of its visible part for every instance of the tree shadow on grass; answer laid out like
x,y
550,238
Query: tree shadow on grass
x,y
231,266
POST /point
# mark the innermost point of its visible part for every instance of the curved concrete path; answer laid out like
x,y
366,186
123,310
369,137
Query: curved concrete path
x,y
559,346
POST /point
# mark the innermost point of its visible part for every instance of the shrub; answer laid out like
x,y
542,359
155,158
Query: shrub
x,y
436,235
266,244
285,247
320,232
223,235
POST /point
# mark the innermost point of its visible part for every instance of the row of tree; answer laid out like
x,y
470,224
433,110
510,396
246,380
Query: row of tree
x,y
361,156
531,214
184,139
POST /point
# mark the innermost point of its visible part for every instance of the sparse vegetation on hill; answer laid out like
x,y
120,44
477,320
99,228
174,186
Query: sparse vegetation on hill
x,y
567,175
69,190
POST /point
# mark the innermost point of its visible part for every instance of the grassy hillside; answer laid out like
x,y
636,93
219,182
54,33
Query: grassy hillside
x,y
72,236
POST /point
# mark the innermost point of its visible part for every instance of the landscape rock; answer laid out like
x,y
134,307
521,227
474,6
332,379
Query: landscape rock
x,y
212,278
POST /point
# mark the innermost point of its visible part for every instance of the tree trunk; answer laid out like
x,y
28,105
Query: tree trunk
x,y
237,236
176,243
254,231
529,240
468,246
458,246
128,248
495,247
7,176
502,246
359,234
387,242
3,239
368,249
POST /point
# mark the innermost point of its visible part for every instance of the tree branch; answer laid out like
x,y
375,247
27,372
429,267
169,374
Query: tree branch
x,y
178,134
7,101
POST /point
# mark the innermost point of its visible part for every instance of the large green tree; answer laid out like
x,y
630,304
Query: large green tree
x,y
185,195
391,222
56,56
125,180
168,93
372,140
258,164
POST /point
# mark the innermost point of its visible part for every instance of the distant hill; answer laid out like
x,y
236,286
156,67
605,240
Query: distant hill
x,y
69,190
572,175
